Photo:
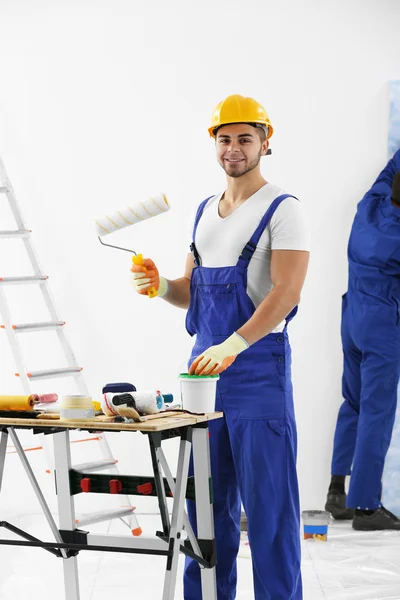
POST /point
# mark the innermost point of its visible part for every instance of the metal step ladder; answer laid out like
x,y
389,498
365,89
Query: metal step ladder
x,y
13,331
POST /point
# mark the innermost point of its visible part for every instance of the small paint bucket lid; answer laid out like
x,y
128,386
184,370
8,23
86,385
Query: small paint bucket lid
x,y
197,377
316,517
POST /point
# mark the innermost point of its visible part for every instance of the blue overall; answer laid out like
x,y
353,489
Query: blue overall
x,y
253,448
371,343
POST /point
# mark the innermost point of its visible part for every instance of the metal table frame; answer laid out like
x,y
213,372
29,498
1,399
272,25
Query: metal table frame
x,y
69,540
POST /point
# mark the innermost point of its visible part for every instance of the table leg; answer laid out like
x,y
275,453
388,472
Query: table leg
x,y
3,450
177,514
36,487
204,504
66,509
171,483
155,446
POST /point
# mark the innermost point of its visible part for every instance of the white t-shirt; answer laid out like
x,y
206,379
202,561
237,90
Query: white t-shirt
x,y
220,241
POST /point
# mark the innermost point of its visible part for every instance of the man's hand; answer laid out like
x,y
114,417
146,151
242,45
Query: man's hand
x,y
216,359
147,276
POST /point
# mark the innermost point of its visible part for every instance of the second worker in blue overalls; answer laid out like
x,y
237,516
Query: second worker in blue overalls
x,y
371,349
242,285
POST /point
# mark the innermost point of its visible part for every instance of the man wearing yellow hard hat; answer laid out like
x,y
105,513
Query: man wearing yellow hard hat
x,y
241,286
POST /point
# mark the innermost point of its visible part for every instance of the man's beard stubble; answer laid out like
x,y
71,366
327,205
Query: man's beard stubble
x,y
249,168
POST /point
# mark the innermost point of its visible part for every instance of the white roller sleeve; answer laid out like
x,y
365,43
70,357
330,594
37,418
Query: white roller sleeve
x,y
147,401
132,214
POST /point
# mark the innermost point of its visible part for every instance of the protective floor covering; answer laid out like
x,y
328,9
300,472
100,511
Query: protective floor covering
x,y
350,566
353,565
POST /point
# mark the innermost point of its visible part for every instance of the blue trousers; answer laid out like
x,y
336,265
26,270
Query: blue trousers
x,y
371,347
253,461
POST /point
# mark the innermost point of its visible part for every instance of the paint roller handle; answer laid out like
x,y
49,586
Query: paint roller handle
x,y
138,260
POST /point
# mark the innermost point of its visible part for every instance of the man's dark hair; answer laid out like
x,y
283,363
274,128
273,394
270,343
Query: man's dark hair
x,y
396,188
261,130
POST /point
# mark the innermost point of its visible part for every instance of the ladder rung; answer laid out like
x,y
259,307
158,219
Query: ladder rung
x,y
96,466
15,233
52,373
27,327
3,189
104,516
18,280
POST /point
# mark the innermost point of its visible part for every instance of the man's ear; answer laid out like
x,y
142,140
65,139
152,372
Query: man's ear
x,y
265,148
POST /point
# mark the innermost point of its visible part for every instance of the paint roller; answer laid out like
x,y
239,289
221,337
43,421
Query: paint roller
x,y
25,403
146,402
130,215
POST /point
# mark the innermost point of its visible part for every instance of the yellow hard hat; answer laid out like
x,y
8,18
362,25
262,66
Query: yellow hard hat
x,y
238,109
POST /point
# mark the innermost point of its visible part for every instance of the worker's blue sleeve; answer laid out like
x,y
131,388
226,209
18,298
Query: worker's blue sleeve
x,y
384,182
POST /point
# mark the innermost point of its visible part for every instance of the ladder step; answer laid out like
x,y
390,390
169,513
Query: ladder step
x,y
27,327
16,233
18,280
104,516
3,189
96,466
52,373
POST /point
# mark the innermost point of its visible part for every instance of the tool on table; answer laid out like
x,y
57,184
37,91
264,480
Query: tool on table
x,y
79,407
16,403
121,386
46,398
130,215
131,414
146,402
19,414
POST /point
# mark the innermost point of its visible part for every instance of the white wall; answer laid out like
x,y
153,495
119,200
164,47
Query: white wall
x,y
103,102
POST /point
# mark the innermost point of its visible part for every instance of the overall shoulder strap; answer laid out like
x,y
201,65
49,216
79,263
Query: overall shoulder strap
x,y
193,248
248,250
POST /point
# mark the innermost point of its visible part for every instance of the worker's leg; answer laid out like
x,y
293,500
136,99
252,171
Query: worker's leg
x,y
226,517
347,421
380,377
265,457
264,444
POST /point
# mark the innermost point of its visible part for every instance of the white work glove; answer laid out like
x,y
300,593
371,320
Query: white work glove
x,y
218,358
146,276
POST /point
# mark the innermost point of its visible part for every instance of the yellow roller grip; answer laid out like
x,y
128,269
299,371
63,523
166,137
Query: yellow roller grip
x,y
138,260
17,402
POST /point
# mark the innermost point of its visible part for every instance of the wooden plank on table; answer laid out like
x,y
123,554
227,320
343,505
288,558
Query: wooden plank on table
x,y
156,424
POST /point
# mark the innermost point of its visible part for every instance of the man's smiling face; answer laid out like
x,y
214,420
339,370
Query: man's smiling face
x,y
239,148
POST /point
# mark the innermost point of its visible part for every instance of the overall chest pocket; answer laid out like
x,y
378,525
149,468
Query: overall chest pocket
x,y
216,310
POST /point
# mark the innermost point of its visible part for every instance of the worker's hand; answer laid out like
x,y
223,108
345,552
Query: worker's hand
x,y
218,358
146,276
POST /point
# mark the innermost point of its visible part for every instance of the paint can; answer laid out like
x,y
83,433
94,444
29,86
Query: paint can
x,y
315,524
198,392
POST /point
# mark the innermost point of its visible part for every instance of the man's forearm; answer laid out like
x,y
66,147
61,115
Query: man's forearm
x,y
178,292
272,311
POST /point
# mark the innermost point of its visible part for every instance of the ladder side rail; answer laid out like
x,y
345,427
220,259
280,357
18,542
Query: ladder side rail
x,y
14,343
15,208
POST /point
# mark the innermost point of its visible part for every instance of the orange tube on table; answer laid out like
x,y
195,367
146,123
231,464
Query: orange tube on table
x,y
18,402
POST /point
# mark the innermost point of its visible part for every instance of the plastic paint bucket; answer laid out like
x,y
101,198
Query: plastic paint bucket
x,y
315,523
198,392
76,408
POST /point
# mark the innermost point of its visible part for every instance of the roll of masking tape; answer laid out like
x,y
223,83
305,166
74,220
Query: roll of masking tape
x,y
76,408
